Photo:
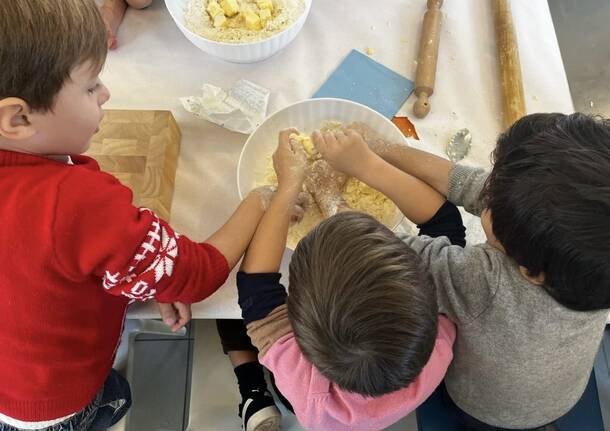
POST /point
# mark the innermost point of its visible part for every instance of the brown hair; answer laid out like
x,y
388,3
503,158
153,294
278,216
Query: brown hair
x,y
41,41
362,306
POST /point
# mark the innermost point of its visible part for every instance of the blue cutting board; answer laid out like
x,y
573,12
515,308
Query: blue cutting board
x,y
361,79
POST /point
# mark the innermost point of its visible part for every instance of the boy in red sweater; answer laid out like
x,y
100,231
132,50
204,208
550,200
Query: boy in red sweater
x,y
75,251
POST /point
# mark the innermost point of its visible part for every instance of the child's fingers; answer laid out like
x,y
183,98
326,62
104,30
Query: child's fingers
x,y
351,134
330,139
304,200
362,130
168,314
358,127
284,146
285,135
184,314
319,142
297,214
341,138
283,138
112,42
298,151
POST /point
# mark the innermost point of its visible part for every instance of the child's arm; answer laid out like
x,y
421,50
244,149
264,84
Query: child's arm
x,y
431,169
462,185
233,237
230,240
113,12
465,278
265,252
318,403
325,185
347,152
261,296
97,232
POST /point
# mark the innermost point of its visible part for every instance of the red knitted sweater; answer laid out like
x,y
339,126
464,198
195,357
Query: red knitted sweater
x,y
74,252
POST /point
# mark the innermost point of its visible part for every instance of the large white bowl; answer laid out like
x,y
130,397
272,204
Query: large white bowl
x,y
306,116
249,52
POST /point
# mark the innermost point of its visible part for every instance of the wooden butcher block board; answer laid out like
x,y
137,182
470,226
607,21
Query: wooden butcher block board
x,y
140,148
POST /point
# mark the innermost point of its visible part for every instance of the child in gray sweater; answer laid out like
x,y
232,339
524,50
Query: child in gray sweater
x,y
531,303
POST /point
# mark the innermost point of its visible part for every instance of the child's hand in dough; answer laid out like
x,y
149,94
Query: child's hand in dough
x,y
372,138
325,185
289,161
376,143
345,151
321,177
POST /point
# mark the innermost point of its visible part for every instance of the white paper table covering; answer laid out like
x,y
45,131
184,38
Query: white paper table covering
x,y
155,65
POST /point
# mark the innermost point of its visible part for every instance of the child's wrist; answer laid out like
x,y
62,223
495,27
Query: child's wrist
x,y
391,152
330,202
261,197
290,189
368,167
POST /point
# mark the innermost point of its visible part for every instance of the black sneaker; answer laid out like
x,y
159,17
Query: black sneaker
x,y
258,412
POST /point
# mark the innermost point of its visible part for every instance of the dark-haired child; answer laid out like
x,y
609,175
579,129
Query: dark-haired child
x,y
531,303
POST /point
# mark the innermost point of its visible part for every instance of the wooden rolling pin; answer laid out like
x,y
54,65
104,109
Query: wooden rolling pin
x,y
513,101
427,58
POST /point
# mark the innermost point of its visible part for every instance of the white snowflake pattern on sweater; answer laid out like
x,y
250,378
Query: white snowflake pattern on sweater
x,y
154,261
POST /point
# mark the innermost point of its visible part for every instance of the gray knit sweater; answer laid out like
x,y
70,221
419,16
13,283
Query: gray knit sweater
x,y
521,360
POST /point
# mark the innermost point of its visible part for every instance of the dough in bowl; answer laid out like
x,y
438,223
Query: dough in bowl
x,y
241,21
358,195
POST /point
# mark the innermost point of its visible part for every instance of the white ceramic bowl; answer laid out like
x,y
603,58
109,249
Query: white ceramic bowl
x,y
306,116
249,52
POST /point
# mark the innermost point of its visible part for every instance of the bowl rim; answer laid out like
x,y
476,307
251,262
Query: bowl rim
x,y
184,28
240,192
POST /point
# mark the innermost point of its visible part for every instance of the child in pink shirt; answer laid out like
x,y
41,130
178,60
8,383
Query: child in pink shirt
x,y
358,344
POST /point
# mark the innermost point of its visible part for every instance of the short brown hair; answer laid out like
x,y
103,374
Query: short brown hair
x,y
41,41
362,306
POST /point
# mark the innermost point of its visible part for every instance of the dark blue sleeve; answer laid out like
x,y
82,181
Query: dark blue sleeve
x,y
446,222
259,294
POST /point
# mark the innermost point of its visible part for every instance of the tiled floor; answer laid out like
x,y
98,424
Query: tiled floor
x,y
215,397
214,393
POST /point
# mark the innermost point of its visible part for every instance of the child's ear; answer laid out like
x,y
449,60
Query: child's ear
x,y
14,122
538,280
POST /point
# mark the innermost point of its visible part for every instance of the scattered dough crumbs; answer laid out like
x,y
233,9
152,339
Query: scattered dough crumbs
x,y
240,21
358,195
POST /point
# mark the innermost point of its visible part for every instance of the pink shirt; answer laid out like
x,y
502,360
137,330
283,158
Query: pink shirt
x,y
321,405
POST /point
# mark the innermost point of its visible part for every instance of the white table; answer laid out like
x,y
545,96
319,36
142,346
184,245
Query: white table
x,y
155,65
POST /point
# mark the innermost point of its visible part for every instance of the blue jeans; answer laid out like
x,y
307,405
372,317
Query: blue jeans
x,y
109,406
